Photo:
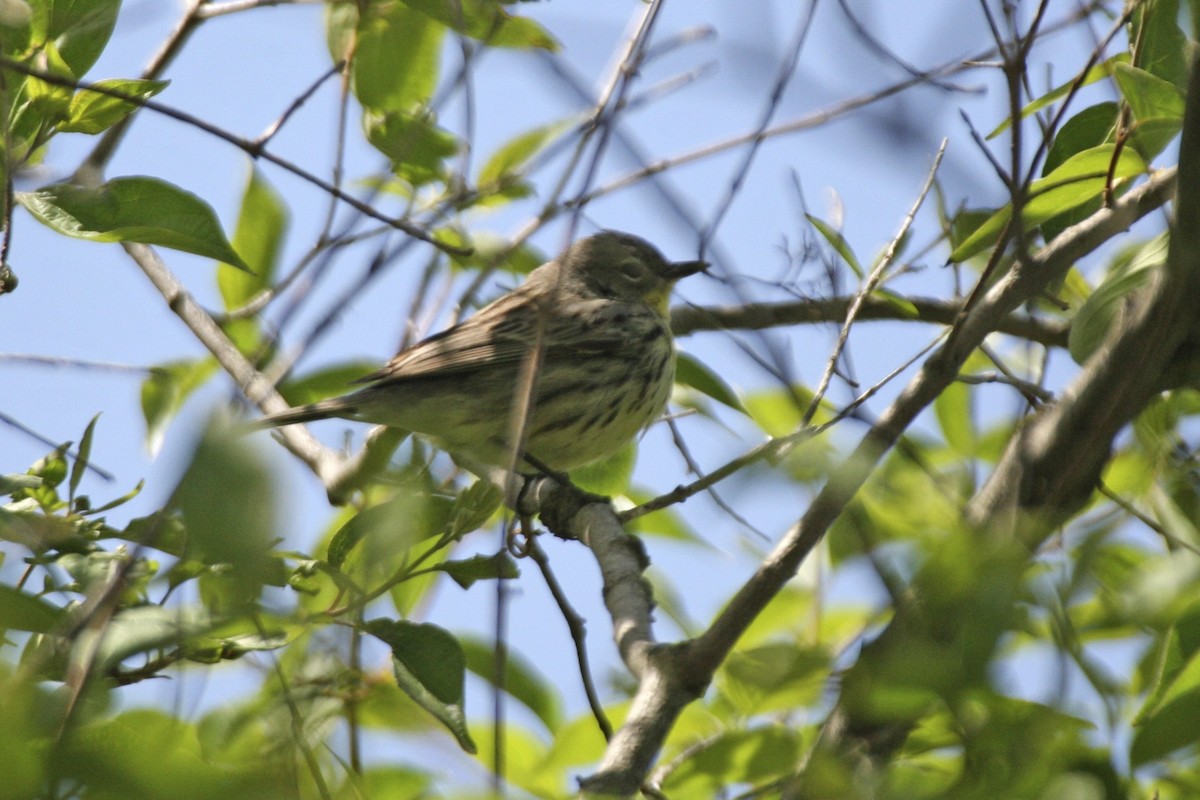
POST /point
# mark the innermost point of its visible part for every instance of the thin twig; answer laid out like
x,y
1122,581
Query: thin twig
x,y
74,454
578,628
1028,389
868,286
787,70
295,106
76,363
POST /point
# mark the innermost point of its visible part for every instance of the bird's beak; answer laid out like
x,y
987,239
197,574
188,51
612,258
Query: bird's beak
x,y
681,269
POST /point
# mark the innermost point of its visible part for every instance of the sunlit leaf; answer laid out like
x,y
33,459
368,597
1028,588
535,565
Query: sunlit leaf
x,y
1095,318
324,383
79,29
83,453
395,67
956,418
414,144
166,390
258,238
487,21
472,508
506,166
838,242
610,475
1081,178
396,525
226,499
93,112
134,209
1098,72
692,372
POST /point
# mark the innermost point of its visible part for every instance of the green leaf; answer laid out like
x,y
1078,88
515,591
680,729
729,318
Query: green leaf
x,y
414,144
1171,727
466,572
1091,127
399,522
665,522
1162,48
487,250
47,103
15,19
506,166
1081,178
609,475
953,409
81,458
1157,108
521,680
395,66
1095,318
753,755
262,224
24,612
151,754
166,390
837,242
341,29
78,29
472,508
325,382
226,499
1098,72
692,372
430,667
93,112
42,532
487,21
1148,95
134,209
9,484
776,676
143,629
120,501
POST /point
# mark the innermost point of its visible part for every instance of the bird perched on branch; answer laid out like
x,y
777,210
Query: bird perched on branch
x,y
588,332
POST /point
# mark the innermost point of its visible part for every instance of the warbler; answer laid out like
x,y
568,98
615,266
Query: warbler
x,y
598,313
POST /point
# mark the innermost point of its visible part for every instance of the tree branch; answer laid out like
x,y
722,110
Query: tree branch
x,y
686,320
1053,464
673,676
323,462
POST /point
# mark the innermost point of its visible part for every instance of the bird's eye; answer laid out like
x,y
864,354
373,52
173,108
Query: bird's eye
x,y
632,269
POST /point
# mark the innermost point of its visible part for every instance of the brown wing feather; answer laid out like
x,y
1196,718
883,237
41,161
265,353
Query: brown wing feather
x,y
501,334
497,334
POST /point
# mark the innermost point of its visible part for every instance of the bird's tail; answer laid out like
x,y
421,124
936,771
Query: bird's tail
x,y
334,407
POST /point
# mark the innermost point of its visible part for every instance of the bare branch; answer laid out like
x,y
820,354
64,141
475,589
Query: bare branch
x,y
686,320
323,462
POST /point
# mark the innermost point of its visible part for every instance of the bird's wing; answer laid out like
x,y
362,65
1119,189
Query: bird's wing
x,y
499,335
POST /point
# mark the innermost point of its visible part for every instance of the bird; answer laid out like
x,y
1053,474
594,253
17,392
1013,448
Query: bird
x,y
592,323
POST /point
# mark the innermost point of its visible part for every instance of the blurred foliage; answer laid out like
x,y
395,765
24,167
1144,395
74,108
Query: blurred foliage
x,y
204,582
